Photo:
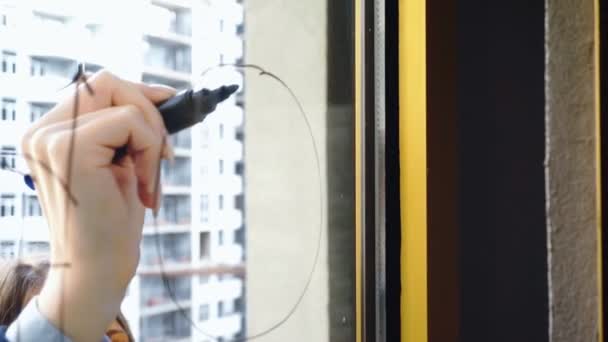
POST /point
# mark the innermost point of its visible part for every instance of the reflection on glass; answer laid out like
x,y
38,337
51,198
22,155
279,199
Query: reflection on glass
x,y
310,47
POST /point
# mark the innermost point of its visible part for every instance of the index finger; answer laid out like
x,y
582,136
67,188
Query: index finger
x,y
110,90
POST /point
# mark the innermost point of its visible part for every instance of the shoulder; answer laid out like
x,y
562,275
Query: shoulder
x,y
3,334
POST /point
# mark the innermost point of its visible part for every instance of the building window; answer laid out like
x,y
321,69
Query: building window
x,y
175,249
9,62
203,312
160,55
220,238
221,167
204,245
177,172
37,67
49,21
52,67
176,209
239,236
93,29
220,309
7,205
239,168
182,139
239,202
31,206
37,110
9,111
7,157
204,208
38,247
238,304
220,202
7,249
221,132
203,279
238,134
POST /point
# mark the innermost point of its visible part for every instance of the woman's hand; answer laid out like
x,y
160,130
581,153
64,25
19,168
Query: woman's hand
x,y
95,210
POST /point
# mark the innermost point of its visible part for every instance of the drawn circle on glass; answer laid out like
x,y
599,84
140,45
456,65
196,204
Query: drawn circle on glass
x,y
283,206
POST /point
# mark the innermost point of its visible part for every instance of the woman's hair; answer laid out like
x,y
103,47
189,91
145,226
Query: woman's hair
x,y
20,280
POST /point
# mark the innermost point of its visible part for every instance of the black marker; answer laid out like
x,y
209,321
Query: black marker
x,y
182,111
186,109
189,107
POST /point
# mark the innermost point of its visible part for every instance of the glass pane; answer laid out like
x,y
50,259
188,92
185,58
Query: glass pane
x,y
255,234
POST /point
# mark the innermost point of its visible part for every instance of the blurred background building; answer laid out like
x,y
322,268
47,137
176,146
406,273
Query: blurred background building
x,y
200,228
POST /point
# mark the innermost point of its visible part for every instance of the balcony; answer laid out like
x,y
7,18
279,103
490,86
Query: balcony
x,y
175,210
173,4
12,85
156,298
166,229
228,219
29,228
228,325
227,183
175,251
231,254
10,134
176,189
227,149
237,270
167,326
225,289
160,75
231,48
182,140
177,173
57,42
46,88
10,38
168,58
168,37
182,152
160,305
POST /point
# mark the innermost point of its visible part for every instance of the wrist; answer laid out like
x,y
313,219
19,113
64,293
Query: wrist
x,y
80,302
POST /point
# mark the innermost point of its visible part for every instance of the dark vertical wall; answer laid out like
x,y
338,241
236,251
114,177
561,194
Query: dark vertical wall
x,y
442,175
604,152
500,87
341,168
393,204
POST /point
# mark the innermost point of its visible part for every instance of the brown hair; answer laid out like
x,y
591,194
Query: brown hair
x,y
20,280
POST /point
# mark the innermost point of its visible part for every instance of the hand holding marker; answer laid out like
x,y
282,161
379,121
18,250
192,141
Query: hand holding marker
x,y
182,111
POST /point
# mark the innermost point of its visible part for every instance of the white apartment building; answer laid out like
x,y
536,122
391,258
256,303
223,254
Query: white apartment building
x,y
200,228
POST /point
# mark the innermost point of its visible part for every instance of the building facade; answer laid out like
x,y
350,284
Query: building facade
x,y
197,241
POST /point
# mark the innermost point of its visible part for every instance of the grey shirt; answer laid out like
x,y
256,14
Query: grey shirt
x,y
32,326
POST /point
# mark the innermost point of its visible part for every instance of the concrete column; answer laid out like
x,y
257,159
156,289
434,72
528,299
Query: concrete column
x,y
289,39
571,166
